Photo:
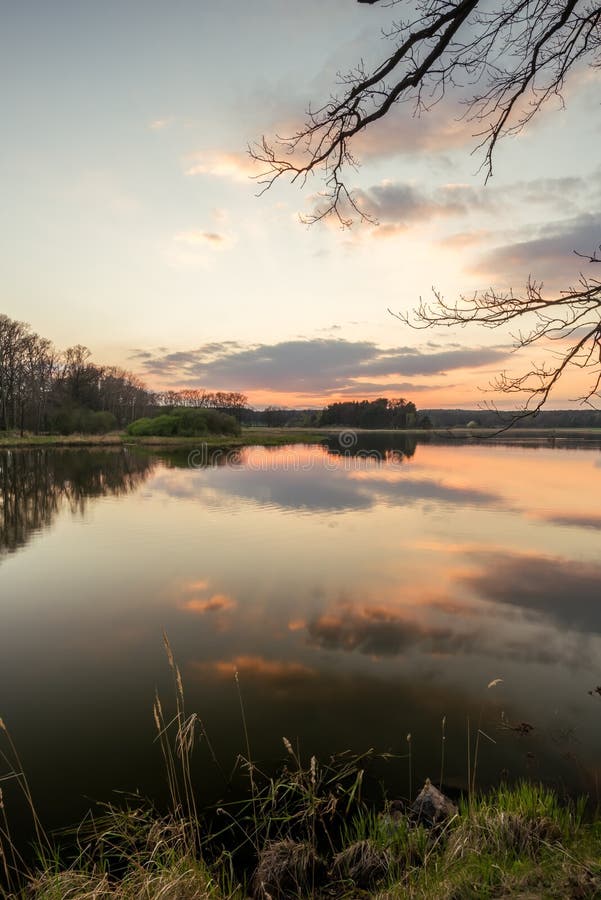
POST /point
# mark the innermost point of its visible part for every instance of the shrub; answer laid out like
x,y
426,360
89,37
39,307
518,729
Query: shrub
x,y
97,422
185,422
84,421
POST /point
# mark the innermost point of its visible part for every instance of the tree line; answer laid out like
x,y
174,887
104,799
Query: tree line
x,y
380,413
45,390
488,418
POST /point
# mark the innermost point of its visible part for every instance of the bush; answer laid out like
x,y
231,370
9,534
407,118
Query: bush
x,y
185,422
82,421
190,422
98,422
161,426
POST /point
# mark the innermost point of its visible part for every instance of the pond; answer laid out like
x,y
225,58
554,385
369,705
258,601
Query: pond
x,y
361,591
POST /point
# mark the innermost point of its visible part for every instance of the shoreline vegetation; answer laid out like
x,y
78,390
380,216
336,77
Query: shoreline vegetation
x,y
266,436
312,829
307,832
64,398
519,842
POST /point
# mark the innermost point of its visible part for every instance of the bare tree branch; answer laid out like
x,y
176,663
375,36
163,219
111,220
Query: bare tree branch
x,y
567,326
513,55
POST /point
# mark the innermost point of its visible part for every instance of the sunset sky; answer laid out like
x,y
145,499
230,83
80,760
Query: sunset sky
x,y
129,222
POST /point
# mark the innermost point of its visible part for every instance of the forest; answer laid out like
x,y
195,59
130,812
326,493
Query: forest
x,y
44,390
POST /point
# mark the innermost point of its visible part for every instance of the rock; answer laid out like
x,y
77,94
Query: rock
x,y
431,807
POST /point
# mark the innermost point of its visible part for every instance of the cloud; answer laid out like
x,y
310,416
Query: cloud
x,y
556,192
575,521
201,238
548,256
564,591
463,239
379,631
196,246
401,134
397,205
403,203
256,668
322,483
320,365
196,597
397,387
216,603
161,124
405,131
410,489
235,166
419,363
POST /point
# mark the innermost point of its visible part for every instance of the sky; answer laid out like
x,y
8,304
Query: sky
x,y
130,222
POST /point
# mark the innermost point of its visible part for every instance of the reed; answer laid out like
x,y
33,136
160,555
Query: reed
x,y
443,738
310,830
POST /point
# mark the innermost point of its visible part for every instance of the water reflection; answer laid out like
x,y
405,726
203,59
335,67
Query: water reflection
x,y
560,591
357,598
35,484
319,480
388,447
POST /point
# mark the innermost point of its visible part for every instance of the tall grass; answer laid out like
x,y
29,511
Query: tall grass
x,y
313,829
176,738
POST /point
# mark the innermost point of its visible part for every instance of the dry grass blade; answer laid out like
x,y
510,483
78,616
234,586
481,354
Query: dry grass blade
x,y
285,869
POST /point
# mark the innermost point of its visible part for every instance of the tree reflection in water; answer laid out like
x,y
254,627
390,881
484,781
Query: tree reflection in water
x,y
36,484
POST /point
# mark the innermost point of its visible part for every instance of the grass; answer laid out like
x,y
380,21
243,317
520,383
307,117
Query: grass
x,y
266,437
517,842
514,842
312,830
129,855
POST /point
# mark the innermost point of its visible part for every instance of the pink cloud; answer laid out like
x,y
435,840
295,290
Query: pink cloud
x,y
233,165
215,603
254,667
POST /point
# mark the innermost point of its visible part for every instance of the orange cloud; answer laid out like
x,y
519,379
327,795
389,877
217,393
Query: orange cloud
x,y
465,239
216,603
194,601
196,247
389,229
201,585
255,667
397,134
237,166
197,238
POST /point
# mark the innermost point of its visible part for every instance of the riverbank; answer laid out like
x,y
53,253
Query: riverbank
x,y
249,437
308,828
520,842
272,437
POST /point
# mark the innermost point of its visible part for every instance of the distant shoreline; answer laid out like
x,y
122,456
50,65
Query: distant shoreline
x,y
264,436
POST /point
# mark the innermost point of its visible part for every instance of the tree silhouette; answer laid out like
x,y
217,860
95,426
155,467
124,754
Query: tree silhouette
x,y
514,55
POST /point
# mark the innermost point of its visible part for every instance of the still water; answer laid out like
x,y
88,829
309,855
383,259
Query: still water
x,y
360,597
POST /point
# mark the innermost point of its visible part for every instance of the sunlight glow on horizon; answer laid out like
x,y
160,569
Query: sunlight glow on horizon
x,y
131,221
